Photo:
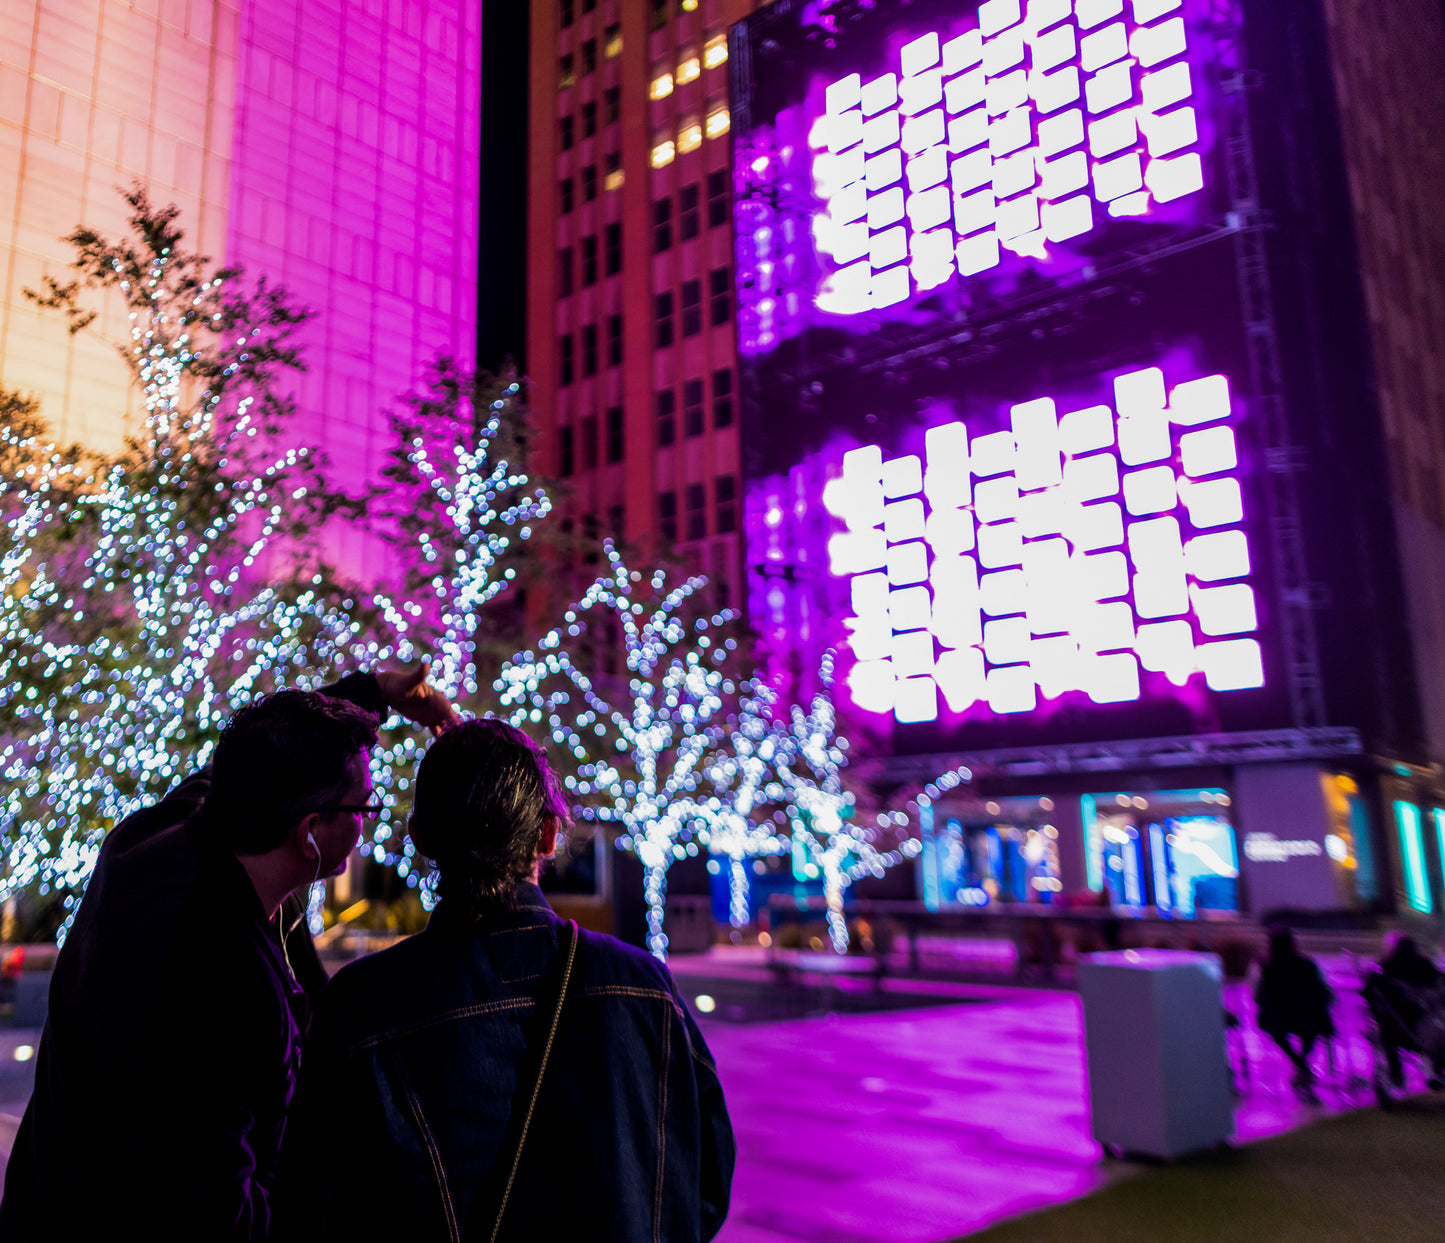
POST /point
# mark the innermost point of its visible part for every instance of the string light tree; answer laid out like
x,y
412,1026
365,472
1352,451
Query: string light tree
x,y
184,593
639,737
458,507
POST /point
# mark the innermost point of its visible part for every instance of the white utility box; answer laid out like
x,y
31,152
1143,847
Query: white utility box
x,y
1158,1065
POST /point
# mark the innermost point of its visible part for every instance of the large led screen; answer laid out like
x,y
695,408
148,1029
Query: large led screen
x,y
897,163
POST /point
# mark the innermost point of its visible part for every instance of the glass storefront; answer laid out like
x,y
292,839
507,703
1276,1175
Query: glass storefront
x,y
1004,851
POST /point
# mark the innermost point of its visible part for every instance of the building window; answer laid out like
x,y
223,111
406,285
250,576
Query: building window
x,y
715,53
687,6
568,13
612,249
662,319
566,465
589,260
718,121
565,358
692,421
688,69
697,511
612,105
722,398
659,14
589,183
667,516
589,119
717,198
666,403
589,354
566,74
564,132
689,137
719,295
613,178
687,212
663,153
661,85
614,340
726,489
589,56
612,41
588,5
661,225
564,196
617,520
614,434
564,271
589,443
691,308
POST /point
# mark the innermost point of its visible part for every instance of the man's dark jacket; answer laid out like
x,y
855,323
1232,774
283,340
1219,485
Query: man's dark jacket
x,y
170,1052
419,1055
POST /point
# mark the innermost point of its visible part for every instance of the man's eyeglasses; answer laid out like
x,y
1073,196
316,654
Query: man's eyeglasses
x,y
367,811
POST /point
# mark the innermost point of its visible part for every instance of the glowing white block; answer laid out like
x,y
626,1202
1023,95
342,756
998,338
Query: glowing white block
x,y
927,170
870,683
968,172
903,520
992,454
844,130
960,677
950,532
1006,641
850,552
1030,243
1070,218
1137,392
1234,665
997,15
1148,10
965,91
977,254
1113,133
1165,87
1003,53
1171,132
930,208
869,595
963,52
932,256
901,476
919,55
1059,133
1011,689
1153,44
1223,554
1014,174
1046,565
1044,513
975,211
871,637
1097,526
1055,663
848,204
1154,545
920,93
1101,575
1114,178
946,449
1052,91
1103,47
1106,89
1225,610
1150,491
848,167
1091,478
955,626
1036,434
1018,217
1174,178
886,208
954,577
1054,49
912,653
888,247
891,287
880,93
850,242
1081,431
1090,13
1009,91
882,131
1105,627
910,608
1113,679
1199,401
847,291
1010,132
863,465
845,93
1208,452
1003,593
1065,175
996,500
1157,594
883,170
1144,437
908,563
999,544
1167,648
1045,13
915,699
968,131
922,132
1213,503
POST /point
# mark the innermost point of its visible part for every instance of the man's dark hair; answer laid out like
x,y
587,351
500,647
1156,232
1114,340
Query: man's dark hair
x,y
279,758
484,793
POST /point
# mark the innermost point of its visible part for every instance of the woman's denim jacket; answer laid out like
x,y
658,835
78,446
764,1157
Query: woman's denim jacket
x,y
417,1056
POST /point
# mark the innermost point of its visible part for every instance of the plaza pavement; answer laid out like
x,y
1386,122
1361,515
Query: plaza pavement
x,y
916,1125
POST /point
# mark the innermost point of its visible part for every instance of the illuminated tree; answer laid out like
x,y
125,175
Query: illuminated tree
x,y
638,728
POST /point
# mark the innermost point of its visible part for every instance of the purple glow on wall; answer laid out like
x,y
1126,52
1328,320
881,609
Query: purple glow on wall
x,y
1073,553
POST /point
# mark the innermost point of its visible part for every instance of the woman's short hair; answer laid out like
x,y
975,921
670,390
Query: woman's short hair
x,y
484,794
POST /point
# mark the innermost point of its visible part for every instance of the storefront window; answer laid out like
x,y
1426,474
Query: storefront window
x,y
1006,851
1348,841
1412,853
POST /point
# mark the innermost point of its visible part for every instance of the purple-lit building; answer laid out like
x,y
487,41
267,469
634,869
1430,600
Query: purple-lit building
x,y
1092,412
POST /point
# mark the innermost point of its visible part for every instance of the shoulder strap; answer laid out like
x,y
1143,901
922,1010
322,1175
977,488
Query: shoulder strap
x,y
570,955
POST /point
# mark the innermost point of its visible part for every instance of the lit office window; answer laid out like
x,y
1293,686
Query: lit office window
x,y
661,86
613,42
663,154
613,180
717,122
690,138
688,6
716,51
688,70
